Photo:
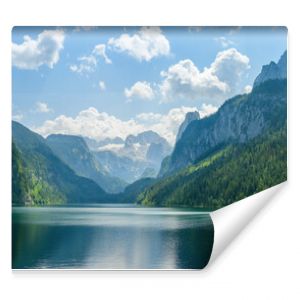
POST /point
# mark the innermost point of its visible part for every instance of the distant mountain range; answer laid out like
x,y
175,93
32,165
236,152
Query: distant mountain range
x,y
238,151
136,157
74,151
58,169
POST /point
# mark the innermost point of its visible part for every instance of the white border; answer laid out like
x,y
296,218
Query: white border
x,y
232,219
263,262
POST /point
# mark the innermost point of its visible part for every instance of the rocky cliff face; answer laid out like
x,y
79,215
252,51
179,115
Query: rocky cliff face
x,y
238,120
74,151
189,117
273,71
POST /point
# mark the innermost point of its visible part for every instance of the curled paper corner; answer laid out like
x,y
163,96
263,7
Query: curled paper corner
x,y
230,221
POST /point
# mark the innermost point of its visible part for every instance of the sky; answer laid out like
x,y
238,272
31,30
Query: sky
x,y
114,81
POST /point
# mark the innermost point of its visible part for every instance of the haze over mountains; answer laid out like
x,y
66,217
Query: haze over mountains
x,y
75,153
138,156
237,151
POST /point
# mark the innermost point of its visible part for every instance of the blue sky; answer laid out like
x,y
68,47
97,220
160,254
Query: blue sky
x,y
110,81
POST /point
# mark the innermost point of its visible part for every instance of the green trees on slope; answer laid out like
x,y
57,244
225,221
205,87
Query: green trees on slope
x,y
20,191
223,172
41,178
226,176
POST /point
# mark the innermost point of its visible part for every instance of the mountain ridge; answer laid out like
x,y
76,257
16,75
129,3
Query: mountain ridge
x,y
189,117
273,71
74,151
239,119
139,153
49,180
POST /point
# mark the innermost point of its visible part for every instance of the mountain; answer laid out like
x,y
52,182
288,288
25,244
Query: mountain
x,y
156,153
123,167
74,151
273,71
165,166
146,137
130,160
224,176
147,145
189,117
20,179
149,173
39,177
132,191
234,153
239,119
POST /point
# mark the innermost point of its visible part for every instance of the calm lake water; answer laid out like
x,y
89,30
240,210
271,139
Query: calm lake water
x,y
110,237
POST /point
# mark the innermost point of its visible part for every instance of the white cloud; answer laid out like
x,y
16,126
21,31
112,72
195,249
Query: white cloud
x,y
32,54
247,89
225,42
207,109
147,43
100,125
184,80
229,65
91,123
167,124
141,90
100,50
88,64
102,85
111,147
42,107
17,117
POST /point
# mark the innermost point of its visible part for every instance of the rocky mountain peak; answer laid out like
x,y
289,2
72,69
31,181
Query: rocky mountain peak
x,y
189,117
273,71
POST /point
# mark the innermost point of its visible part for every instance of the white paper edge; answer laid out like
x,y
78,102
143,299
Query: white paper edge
x,y
232,219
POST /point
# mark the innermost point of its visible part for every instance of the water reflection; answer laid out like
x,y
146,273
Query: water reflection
x,y
105,237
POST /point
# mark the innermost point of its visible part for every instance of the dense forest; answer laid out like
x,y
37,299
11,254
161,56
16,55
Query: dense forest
x,y
225,176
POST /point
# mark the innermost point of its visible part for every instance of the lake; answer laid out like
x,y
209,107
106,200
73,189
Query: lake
x,y
110,237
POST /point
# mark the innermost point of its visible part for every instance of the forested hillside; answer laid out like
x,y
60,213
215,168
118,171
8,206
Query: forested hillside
x,y
40,178
224,176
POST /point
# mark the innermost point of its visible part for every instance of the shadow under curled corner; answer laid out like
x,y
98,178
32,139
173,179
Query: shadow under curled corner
x,y
231,220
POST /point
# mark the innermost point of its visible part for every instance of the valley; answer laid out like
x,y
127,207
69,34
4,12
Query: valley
x,y
216,160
